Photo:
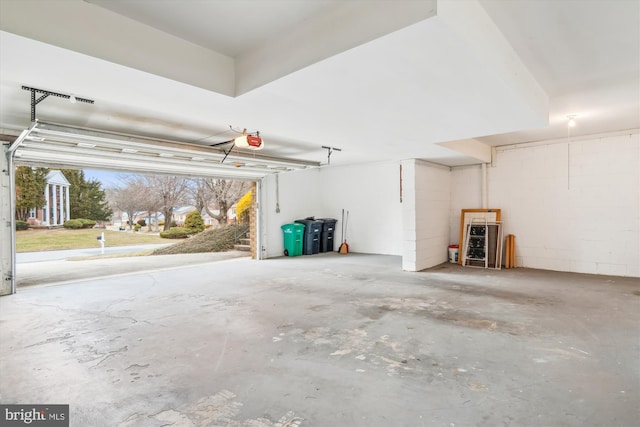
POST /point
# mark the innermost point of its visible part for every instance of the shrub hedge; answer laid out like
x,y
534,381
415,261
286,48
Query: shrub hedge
x,y
22,225
78,223
177,233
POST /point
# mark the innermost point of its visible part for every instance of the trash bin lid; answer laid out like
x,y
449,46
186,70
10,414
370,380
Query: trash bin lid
x,y
292,227
310,222
327,219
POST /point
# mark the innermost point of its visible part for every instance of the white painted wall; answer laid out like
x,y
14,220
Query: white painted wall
x,y
425,214
298,198
573,206
370,192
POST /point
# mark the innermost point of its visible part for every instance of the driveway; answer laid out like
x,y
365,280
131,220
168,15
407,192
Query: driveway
x,y
28,257
57,267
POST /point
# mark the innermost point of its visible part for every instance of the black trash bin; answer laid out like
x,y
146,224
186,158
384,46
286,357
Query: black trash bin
x,y
312,235
328,233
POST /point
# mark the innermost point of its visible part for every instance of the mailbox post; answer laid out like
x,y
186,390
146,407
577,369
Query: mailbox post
x,y
101,240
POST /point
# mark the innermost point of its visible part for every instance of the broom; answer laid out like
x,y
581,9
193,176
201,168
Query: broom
x,y
344,247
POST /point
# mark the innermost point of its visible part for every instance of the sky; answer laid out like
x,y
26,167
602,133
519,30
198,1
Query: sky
x,y
107,178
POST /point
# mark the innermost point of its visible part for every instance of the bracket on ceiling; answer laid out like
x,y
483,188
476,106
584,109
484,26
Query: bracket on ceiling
x,y
330,151
226,153
231,141
45,93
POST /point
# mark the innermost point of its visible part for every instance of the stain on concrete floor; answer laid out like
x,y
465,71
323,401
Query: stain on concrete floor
x,y
220,409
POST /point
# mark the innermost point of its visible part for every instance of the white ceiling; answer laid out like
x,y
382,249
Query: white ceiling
x,y
229,27
381,80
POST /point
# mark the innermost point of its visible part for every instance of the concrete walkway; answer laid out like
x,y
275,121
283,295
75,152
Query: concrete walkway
x,y
327,340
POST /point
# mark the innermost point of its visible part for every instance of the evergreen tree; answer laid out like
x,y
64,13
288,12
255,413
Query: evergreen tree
x,y
87,199
194,221
30,186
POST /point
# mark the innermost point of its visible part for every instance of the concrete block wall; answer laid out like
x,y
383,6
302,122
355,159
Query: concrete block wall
x,y
425,214
466,193
573,205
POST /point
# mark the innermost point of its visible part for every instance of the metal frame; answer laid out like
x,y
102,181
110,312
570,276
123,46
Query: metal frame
x,y
45,93
58,145
8,278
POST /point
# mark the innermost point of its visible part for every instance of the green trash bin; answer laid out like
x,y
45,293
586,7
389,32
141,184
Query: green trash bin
x,y
293,237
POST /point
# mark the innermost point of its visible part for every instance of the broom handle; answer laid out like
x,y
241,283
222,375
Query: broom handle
x,y
345,227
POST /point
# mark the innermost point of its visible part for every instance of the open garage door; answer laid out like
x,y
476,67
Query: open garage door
x,y
53,145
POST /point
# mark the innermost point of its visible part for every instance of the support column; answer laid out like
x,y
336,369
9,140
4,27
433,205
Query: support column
x,y
68,216
54,206
426,209
7,224
46,212
60,204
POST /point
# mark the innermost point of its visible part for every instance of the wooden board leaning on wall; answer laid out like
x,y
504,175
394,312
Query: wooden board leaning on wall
x,y
510,252
491,215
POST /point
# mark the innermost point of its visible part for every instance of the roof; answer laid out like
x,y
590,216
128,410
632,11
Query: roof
x,y
56,177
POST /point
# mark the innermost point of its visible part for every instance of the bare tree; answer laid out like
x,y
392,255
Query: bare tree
x,y
221,192
199,194
171,192
149,199
151,203
126,198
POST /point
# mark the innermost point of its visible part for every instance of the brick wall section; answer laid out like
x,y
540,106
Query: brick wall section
x,y
252,222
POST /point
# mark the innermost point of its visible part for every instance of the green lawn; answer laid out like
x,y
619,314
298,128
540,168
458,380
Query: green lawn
x,y
48,240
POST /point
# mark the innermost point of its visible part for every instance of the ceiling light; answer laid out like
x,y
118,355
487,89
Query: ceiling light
x,y
72,99
572,121
197,159
85,145
129,150
165,155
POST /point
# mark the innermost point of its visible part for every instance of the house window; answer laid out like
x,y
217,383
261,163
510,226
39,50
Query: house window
x,y
32,213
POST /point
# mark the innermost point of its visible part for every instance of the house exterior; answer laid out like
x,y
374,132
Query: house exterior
x,y
180,215
56,209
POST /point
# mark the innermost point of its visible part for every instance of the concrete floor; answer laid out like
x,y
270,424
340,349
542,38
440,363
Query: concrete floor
x,y
328,340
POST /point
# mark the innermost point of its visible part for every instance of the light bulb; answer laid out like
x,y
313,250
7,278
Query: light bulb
x,y
241,141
